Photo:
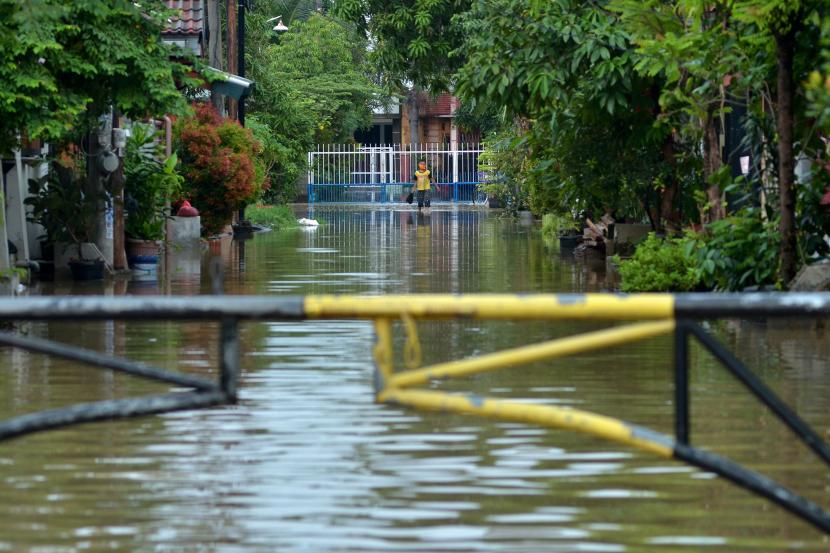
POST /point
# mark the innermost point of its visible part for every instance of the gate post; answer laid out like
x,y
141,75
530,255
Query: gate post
x,y
454,170
310,178
681,382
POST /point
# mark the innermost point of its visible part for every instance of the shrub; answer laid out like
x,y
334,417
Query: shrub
x,y
504,162
738,251
661,265
274,216
220,165
813,214
732,254
283,161
556,224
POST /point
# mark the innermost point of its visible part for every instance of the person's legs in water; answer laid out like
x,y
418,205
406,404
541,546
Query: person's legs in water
x,y
427,197
420,196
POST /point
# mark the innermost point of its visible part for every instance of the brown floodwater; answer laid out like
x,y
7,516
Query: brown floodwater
x,y
306,462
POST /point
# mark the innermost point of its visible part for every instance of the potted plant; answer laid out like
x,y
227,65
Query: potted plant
x,y
150,182
561,227
69,216
569,233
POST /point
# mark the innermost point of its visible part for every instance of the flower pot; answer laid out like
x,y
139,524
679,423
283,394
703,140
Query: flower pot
x,y
46,270
144,264
569,241
142,248
47,250
87,270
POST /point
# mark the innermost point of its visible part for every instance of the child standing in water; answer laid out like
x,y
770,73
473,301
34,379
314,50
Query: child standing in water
x,y
421,185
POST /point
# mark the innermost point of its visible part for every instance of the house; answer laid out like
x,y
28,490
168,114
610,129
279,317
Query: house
x,y
197,26
386,125
187,28
435,118
391,123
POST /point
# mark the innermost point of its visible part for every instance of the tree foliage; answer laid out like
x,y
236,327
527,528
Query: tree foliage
x,y
220,164
313,86
417,41
63,61
562,53
323,63
571,74
623,105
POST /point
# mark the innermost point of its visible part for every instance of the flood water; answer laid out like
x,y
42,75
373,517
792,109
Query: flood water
x,y
308,463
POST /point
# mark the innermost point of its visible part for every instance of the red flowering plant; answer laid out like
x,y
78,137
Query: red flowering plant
x,y
221,166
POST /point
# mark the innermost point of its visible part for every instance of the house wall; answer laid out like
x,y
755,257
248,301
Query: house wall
x,y
435,130
434,123
24,234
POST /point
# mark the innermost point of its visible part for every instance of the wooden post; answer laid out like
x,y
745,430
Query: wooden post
x,y
785,53
214,36
232,50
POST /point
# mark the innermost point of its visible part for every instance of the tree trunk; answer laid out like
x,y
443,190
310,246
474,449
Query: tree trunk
x,y
214,30
669,218
785,51
712,162
232,53
412,105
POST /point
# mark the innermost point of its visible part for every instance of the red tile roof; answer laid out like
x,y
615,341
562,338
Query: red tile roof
x,y
190,20
442,105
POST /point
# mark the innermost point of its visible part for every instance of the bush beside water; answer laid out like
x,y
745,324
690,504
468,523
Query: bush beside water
x,y
273,216
660,265
735,253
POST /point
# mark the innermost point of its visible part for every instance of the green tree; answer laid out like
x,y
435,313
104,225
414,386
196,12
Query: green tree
x,y
693,47
417,46
322,60
793,27
313,86
292,11
413,40
572,67
63,62
818,108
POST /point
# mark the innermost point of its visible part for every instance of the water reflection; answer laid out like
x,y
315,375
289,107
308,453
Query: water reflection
x,y
307,462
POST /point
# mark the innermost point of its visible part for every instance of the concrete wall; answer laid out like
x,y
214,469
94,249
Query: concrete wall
x,y
184,231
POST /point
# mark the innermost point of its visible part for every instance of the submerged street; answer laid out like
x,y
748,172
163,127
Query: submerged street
x,y
308,462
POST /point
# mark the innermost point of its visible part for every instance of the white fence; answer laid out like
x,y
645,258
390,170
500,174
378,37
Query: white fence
x,y
355,173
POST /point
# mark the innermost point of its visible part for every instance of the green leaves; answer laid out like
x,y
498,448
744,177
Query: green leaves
x,y
738,252
560,53
61,60
314,84
150,181
660,265
418,41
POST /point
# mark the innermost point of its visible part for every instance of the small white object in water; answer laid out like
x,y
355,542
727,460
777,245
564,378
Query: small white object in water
x,y
307,222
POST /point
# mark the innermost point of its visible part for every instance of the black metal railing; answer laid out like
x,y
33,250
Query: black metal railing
x,y
678,313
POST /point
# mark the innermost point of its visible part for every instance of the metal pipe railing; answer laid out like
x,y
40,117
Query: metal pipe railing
x,y
635,307
664,313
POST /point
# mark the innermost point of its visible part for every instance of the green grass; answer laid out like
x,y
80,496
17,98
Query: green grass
x,y
274,216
